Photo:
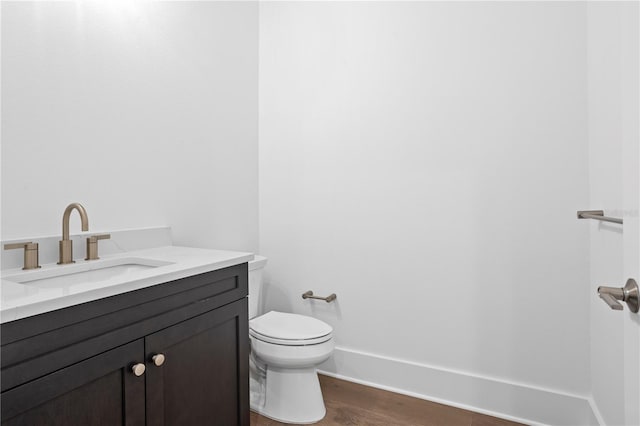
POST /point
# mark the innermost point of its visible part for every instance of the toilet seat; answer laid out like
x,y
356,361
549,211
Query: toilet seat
x,y
288,342
286,329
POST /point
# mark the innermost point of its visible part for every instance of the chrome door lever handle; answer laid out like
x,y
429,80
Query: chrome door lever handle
x,y
611,301
628,294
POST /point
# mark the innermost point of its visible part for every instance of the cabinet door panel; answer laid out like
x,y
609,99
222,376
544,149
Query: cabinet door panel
x,y
99,391
204,379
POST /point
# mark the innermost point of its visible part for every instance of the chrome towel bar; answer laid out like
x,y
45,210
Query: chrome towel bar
x,y
309,295
597,215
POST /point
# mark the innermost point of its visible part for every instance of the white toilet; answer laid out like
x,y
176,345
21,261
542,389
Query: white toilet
x,y
285,349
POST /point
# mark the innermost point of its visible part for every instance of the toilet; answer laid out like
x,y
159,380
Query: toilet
x,y
285,350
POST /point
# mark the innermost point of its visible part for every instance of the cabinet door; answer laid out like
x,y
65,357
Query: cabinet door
x,y
101,390
204,378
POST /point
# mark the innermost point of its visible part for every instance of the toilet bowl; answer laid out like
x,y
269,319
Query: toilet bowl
x,y
285,349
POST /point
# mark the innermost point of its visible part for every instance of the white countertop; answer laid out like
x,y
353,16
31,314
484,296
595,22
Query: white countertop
x,y
24,300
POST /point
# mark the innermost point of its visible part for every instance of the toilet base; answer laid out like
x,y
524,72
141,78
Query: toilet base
x,y
292,396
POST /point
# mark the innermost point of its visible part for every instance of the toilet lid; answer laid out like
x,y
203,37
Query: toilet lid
x,y
282,326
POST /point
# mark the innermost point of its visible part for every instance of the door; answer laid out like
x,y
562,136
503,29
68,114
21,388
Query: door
x,y
614,182
630,126
102,390
200,371
631,321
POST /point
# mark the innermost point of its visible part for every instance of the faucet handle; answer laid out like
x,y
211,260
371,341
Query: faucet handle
x,y
30,253
13,246
92,245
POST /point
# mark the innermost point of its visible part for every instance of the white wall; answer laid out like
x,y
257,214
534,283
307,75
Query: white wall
x,y
611,49
422,160
425,162
145,112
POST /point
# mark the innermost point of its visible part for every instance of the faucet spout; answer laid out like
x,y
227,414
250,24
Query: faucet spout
x,y
67,216
66,245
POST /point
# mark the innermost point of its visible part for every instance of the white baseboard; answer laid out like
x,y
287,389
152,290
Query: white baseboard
x,y
511,401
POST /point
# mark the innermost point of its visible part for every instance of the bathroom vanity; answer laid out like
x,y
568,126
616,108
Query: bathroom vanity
x,y
164,346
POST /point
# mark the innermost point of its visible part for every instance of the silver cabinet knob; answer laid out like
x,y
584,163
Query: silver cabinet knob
x,y
138,369
158,359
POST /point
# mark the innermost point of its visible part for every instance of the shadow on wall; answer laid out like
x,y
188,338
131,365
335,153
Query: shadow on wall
x,y
322,309
609,228
277,298
274,298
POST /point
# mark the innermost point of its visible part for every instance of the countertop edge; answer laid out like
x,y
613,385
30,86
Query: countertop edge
x,y
13,313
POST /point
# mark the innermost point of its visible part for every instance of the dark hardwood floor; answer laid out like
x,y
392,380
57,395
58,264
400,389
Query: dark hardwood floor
x,y
351,404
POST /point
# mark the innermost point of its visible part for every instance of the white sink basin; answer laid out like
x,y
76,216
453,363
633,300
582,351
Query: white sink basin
x,y
85,272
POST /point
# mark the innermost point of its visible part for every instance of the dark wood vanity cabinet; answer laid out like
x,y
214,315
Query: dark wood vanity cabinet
x,y
75,366
98,391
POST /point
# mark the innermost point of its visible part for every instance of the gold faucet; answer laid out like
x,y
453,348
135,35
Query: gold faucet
x,y
66,245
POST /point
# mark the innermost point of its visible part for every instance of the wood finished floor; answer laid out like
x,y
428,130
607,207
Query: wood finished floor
x,y
351,404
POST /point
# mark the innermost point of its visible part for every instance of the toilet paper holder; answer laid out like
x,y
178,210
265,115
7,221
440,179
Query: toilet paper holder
x,y
328,299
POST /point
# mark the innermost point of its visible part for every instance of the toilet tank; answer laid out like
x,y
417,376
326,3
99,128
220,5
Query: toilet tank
x,y
256,267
